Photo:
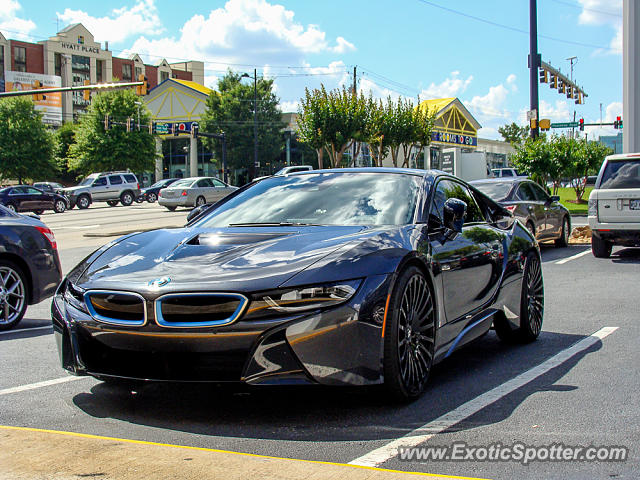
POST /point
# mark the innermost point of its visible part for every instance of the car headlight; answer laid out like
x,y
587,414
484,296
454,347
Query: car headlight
x,y
74,296
593,207
301,299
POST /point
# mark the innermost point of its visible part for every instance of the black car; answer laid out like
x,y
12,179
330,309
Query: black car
x,y
25,198
335,277
29,265
543,214
150,194
50,187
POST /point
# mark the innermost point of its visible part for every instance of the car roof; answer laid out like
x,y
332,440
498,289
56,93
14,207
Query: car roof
x,y
404,171
623,156
500,180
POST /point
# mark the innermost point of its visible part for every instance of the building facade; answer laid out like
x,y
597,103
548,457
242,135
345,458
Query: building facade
x,y
75,57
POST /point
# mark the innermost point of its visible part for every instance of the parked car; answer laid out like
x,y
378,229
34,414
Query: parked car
x,y
287,170
337,277
25,198
49,187
504,172
193,192
29,265
150,194
614,205
110,187
542,214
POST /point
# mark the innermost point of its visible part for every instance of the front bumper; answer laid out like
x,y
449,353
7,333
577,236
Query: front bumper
x,y
337,346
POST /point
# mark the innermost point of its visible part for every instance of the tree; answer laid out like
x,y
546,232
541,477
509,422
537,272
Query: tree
x,y
422,125
26,146
312,118
535,157
96,149
230,110
513,133
588,159
563,152
64,138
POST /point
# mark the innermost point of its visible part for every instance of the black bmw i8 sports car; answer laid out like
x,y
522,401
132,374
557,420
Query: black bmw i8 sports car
x,y
334,277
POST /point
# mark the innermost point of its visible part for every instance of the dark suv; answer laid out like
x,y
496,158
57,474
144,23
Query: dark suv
x,y
110,187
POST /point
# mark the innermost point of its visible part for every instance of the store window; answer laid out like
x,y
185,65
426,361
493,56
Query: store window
x,y
80,63
126,72
164,76
20,59
138,72
99,67
57,60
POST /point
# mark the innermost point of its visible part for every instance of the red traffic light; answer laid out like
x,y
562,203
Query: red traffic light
x,y
581,124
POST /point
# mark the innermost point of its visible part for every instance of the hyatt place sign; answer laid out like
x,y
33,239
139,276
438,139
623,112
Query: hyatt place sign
x,y
79,48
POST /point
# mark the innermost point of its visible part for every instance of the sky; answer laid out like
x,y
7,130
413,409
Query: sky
x,y
415,49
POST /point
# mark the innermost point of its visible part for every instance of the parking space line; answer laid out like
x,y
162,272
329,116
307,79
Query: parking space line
x,y
46,383
26,330
573,257
422,434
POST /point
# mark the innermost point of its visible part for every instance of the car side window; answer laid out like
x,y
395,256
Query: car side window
x,y
446,189
115,179
205,182
16,191
130,179
525,193
539,192
218,183
100,182
33,191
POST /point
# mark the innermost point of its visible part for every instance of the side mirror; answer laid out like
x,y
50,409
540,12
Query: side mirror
x,y
196,212
555,198
454,212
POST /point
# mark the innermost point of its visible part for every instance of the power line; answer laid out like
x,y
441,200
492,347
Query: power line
x,y
569,4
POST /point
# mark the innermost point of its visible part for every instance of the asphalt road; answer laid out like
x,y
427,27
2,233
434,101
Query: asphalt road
x,y
537,394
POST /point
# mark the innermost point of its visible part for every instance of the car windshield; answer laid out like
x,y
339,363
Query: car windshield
x,y
183,183
87,181
325,199
159,183
495,191
625,174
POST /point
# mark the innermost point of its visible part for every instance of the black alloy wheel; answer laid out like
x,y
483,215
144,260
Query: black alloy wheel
x,y
152,197
59,206
531,306
563,241
200,201
409,336
83,202
13,294
126,199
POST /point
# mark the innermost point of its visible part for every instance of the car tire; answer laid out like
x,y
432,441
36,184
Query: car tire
x,y
126,198
38,212
59,206
170,208
11,207
140,199
112,203
152,197
531,306
17,300
600,248
563,241
83,202
200,201
409,336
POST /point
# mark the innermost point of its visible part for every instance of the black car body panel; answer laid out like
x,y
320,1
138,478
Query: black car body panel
x,y
23,244
155,188
475,275
26,198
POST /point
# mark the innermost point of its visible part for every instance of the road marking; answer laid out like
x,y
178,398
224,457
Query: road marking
x,y
81,227
46,383
422,434
203,449
26,330
577,255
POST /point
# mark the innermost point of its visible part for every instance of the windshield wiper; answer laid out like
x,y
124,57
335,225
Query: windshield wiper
x,y
273,224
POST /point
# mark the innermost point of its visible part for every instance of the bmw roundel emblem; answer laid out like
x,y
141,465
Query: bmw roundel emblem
x,y
159,282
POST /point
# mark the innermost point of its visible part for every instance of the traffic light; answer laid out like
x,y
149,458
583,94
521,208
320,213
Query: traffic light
x,y
545,124
561,87
194,130
554,82
581,124
618,122
86,93
37,97
533,123
544,76
107,123
128,124
579,98
569,91
142,89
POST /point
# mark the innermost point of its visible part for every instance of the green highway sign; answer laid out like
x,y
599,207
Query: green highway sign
x,y
565,125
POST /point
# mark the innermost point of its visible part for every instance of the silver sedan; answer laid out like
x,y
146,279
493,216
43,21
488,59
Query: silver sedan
x,y
194,192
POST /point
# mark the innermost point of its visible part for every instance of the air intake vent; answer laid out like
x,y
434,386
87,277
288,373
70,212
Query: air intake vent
x,y
193,310
116,308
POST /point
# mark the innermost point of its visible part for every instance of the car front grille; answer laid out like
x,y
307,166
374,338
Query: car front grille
x,y
192,310
116,308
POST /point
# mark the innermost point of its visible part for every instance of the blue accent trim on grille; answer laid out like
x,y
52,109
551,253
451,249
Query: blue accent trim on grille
x,y
244,301
110,320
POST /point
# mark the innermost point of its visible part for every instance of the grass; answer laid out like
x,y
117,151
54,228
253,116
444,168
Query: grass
x,y
568,195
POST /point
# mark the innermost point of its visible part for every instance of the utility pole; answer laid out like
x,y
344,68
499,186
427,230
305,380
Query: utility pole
x,y
355,93
534,64
571,60
255,122
630,76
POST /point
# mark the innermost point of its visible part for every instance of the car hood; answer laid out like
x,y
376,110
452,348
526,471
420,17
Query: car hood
x,y
227,259
74,189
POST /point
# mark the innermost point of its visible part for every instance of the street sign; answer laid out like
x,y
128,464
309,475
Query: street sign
x,y
565,125
531,114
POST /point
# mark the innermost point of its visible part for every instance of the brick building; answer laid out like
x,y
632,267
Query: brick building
x,y
74,56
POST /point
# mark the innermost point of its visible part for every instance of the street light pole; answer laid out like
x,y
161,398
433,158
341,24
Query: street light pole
x,y
255,122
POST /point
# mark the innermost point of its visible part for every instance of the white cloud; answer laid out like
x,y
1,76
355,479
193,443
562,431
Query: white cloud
x,y
244,32
450,87
558,112
289,106
491,109
604,12
121,23
16,27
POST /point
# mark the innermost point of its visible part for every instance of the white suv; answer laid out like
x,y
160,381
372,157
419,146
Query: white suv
x,y
614,205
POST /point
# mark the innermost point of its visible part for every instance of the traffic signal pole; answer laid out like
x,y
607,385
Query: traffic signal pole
x,y
534,65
